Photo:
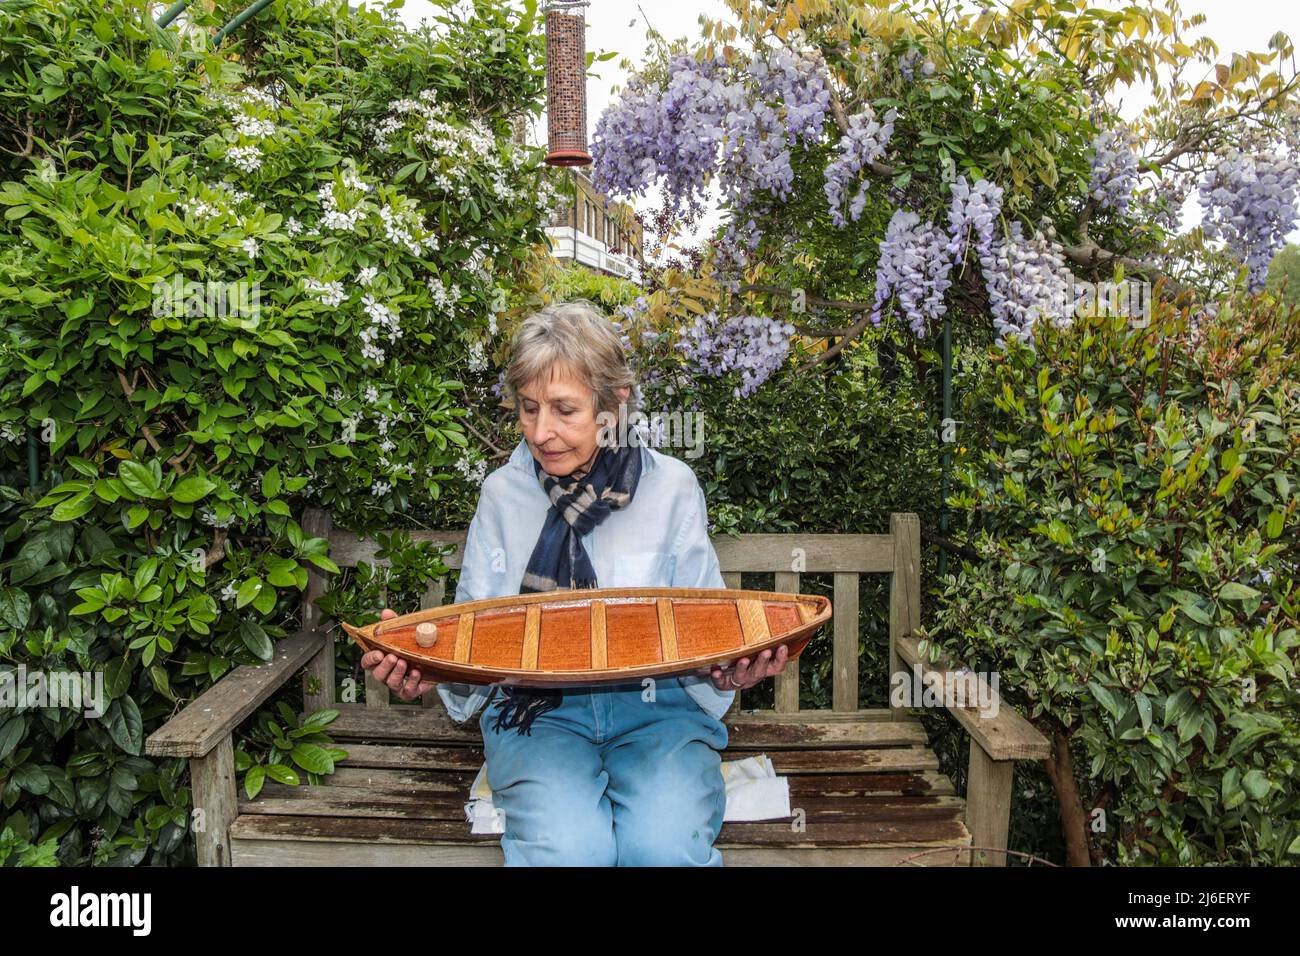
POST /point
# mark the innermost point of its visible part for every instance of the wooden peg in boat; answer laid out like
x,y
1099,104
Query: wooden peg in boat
x,y
426,634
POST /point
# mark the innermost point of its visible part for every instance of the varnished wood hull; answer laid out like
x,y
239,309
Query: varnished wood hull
x,y
598,636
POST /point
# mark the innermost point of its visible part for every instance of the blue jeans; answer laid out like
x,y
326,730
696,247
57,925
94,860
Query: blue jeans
x,y
610,779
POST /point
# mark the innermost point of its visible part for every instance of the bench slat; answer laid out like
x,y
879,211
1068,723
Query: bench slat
x,y
418,724
917,783
891,759
777,833
211,716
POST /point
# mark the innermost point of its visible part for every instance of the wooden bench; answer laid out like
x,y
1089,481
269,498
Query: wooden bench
x,y
864,784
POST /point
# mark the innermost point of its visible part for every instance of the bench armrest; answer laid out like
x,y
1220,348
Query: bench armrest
x,y
214,714
1007,736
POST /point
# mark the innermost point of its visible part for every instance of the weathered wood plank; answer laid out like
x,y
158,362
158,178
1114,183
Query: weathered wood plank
x,y
786,694
858,553
423,803
988,809
417,725
211,716
373,831
919,783
284,853
212,781
892,759
318,691
347,549
1004,735
433,597
904,586
844,671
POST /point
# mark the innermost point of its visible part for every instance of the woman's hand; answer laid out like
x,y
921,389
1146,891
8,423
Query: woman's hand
x,y
746,673
391,669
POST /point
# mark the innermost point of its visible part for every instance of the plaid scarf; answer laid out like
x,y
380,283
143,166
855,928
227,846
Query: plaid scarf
x,y
559,561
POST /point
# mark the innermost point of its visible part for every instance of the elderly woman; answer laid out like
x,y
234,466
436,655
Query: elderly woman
x,y
597,775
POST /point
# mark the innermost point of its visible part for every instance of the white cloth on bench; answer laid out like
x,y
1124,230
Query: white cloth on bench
x,y
754,792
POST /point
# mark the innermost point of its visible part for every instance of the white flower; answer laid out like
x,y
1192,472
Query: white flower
x,y
335,218
349,434
292,227
353,181
253,127
474,470
246,158
380,488
249,246
383,320
209,517
387,445
372,395
330,293
229,592
439,292
367,275
477,358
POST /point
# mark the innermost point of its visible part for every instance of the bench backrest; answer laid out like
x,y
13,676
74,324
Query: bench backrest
x,y
846,556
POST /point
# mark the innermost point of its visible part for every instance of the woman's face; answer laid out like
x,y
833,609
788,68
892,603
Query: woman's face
x,y
559,422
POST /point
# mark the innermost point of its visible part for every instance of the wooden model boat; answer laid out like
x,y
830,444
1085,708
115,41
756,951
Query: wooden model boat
x,y
595,636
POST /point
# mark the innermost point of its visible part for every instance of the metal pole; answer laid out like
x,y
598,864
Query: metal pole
x,y
947,450
252,11
33,459
172,12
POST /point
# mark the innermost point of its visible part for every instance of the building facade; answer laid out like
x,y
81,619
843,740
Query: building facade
x,y
600,234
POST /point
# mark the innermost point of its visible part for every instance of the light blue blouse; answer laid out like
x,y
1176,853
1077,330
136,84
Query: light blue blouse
x,y
661,539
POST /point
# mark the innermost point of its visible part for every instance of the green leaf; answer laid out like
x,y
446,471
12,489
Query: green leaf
x,y
1233,591
282,774
1256,784
75,507
138,479
192,489
271,483
313,759
253,780
122,720
256,639
117,677
249,590
1105,698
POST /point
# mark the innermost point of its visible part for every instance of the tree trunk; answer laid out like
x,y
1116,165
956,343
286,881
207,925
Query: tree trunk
x,y
1074,822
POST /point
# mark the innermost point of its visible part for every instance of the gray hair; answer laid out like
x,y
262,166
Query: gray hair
x,y
577,334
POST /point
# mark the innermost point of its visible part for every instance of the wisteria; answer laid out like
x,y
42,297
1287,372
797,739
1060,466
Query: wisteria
x,y
739,126
973,209
755,345
1250,203
914,267
862,145
1025,278
1114,169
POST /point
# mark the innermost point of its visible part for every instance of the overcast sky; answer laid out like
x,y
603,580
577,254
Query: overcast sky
x,y
620,25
